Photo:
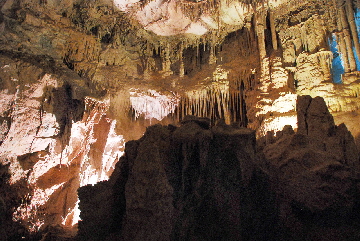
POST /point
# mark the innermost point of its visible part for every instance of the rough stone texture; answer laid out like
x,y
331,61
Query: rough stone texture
x,y
314,118
53,140
187,183
194,182
10,198
148,194
315,173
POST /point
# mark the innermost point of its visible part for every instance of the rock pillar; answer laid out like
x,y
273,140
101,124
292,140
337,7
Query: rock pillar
x,y
347,38
342,49
273,31
351,19
182,68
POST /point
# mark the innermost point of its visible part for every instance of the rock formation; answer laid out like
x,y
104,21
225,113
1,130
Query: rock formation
x,y
185,183
194,182
315,172
80,78
53,141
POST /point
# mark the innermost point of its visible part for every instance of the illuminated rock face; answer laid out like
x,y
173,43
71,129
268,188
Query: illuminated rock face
x,y
200,183
178,183
53,144
315,171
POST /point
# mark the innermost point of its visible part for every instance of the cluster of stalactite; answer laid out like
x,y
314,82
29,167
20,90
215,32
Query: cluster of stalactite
x,y
181,57
347,34
194,9
324,59
170,56
223,101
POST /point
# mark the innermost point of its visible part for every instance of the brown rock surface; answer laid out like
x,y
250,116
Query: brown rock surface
x,y
315,171
197,182
181,183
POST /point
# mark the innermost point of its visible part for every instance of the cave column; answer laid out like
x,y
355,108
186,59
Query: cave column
x,y
166,63
342,49
264,61
260,28
347,38
340,40
273,31
182,67
351,18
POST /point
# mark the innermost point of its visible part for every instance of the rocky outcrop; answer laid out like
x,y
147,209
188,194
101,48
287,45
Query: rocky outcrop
x,y
10,197
197,182
185,183
315,172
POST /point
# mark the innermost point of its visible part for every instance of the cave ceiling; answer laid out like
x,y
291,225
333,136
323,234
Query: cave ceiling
x,y
189,52
189,49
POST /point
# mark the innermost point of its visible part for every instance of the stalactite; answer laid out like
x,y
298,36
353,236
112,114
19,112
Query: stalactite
x,y
342,49
351,18
212,57
212,102
273,31
347,38
151,104
325,61
261,36
166,62
197,55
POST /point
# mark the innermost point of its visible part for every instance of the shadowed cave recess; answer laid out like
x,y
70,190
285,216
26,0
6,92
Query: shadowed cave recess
x,y
179,120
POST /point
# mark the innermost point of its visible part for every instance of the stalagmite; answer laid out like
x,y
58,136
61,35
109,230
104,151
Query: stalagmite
x,y
351,19
273,31
348,42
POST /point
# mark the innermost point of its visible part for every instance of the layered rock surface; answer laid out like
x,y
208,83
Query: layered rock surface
x,y
315,172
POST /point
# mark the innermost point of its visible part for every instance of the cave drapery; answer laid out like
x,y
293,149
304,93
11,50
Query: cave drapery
x,y
80,78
